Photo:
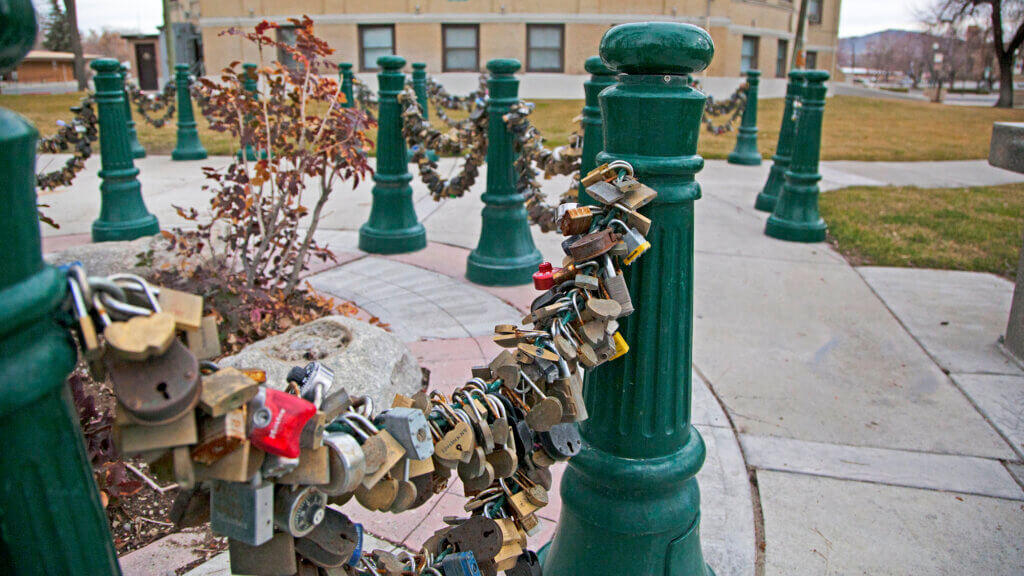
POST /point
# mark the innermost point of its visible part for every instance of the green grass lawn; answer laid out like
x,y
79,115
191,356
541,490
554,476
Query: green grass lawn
x,y
973,229
854,128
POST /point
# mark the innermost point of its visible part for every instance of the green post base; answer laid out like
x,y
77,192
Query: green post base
x,y
393,227
123,214
795,217
505,254
345,76
188,146
746,152
768,196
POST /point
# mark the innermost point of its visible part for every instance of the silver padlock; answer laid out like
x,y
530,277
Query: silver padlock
x,y
297,510
409,427
242,511
615,284
315,381
347,462
275,466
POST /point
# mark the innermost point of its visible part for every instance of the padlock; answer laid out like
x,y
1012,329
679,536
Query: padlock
x,y
204,343
185,308
225,390
409,428
132,437
615,284
543,277
275,465
638,221
276,420
477,534
587,282
87,335
604,192
638,196
511,544
347,464
602,172
333,541
636,245
561,442
161,388
406,493
275,557
241,465
627,183
594,332
380,496
460,564
576,220
592,245
315,381
297,510
313,432
313,469
457,444
140,337
219,436
527,565
242,511
335,404
621,347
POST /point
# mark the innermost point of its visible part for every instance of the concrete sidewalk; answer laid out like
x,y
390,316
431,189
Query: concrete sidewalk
x,y
858,421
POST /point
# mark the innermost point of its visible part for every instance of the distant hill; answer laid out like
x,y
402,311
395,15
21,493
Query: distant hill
x,y
858,45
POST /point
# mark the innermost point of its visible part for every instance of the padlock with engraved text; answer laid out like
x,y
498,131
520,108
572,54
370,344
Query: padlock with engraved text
x,y
276,420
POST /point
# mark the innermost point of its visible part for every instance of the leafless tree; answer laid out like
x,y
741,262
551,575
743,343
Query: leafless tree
x,y
76,45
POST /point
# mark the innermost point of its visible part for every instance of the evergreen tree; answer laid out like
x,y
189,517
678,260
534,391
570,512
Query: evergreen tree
x,y
57,29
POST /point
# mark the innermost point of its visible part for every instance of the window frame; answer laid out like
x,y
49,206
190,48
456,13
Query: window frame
x,y
444,47
812,18
808,54
362,58
782,57
292,64
561,49
756,56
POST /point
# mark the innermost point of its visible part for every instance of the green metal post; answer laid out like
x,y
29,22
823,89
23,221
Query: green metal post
x,y
393,227
133,136
601,77
505,254
123,214
345,72
784,150
630,501
250,83
188,147
419,85
746,152
51,519
796,216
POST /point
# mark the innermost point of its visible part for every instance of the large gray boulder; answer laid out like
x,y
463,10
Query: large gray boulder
x,y
365,359
106,258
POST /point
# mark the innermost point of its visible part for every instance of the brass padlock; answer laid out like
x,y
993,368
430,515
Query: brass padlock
x,y
204,342
185,308
219,436
141,337
132,437
225,390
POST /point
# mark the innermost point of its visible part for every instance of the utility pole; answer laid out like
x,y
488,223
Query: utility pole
x,y
798,42
169,36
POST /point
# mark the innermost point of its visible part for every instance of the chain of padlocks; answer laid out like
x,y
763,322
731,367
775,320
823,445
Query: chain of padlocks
x,y
442,101
734,106
76,136
147,104
277,460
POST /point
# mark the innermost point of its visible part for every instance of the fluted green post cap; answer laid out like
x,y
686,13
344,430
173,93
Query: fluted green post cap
x,y
596,66
105,65
183,67
391,62
345,66
17,32
249,66
504,66
419,65
817,76
753,73
797,74
657,48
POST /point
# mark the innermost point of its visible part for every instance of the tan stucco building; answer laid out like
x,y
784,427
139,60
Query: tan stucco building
x,y
548,36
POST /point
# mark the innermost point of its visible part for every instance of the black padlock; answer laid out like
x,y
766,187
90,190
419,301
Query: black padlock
x,y
562,442
527,565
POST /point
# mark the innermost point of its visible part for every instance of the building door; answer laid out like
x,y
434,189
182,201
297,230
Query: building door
x,y
145,56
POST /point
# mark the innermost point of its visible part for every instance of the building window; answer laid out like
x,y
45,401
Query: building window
x,y
375,40
545,47
286,35
814,12
461,47
812,61
748,54
781,59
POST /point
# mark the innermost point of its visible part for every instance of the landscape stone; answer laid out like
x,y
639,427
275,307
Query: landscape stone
x,y
1007,148
366,360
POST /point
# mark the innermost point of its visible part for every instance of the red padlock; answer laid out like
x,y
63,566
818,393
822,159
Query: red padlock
x,y
543,278
276,420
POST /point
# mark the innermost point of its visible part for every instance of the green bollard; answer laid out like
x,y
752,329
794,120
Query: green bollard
x,y
784,150
133,136
345,75
250,83
393,227
123,214
746,152
796,216
505,254
419,85
630,501
601,77
188,147
51,519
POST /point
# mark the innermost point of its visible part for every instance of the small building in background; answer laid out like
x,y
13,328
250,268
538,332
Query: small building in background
x,y
44,72
147,60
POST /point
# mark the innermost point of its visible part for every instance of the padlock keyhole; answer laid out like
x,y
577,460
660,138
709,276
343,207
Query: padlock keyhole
x,y
162,388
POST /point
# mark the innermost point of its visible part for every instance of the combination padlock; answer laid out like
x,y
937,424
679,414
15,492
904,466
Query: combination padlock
x,y
298,510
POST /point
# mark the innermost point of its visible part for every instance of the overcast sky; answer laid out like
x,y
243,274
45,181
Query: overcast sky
x,y
858,16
